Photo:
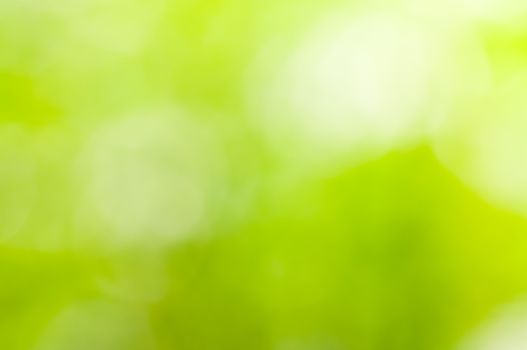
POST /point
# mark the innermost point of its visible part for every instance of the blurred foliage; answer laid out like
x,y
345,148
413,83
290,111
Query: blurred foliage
x,y
289,175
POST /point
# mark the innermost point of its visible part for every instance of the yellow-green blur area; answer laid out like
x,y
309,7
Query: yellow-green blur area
x,y
263,174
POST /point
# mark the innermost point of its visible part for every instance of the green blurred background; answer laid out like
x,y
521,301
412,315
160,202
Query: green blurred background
x,y
263,174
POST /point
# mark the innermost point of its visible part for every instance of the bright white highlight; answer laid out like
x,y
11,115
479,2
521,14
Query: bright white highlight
x,y
148,176
357,82
506,331
495,145
506,12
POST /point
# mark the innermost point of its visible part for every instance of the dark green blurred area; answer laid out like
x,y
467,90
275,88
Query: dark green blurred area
x,y
157,190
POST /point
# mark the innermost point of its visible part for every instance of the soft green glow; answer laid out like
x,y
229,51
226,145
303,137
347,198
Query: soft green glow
x,y
245,175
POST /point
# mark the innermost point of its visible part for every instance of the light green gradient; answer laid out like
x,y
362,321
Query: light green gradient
x,y
245,175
